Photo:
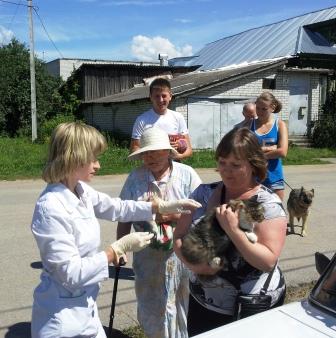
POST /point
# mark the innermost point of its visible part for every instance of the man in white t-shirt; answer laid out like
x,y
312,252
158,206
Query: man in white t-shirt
x,y
160,116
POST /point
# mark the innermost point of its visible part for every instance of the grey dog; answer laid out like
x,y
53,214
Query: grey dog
x,y
298,204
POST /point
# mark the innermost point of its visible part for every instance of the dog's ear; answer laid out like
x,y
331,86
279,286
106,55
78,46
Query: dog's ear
x,y
312,191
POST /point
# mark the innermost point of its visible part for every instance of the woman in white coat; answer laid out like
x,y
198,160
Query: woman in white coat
x,y
68,234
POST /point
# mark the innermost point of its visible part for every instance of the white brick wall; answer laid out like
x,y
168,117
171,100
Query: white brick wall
x,y
122,116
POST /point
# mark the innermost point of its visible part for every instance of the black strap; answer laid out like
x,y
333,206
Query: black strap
x,y
222,199
267,282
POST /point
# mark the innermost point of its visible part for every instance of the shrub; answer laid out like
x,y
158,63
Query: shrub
x,y
324,132
117,138
48,126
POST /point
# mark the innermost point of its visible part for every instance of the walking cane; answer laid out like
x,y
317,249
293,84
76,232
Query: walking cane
x,y
114,294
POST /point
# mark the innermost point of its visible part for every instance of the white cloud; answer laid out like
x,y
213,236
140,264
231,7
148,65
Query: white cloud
x,y
147,49
183,20
5,35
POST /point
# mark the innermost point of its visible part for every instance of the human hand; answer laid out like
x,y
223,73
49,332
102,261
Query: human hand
x,y
183,206
135,241
267,149
227,219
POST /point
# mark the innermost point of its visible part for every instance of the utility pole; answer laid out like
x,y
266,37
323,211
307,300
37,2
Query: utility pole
x,y
32,73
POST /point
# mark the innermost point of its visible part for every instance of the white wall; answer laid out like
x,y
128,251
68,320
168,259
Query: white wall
x,y
122,116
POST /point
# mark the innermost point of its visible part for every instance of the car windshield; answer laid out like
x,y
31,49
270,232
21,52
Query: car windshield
x,y
324,293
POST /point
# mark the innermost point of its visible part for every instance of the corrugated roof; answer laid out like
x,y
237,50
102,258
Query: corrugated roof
x,y
267,42
194,81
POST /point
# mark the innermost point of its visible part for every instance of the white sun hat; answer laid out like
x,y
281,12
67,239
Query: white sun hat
x,y
153,138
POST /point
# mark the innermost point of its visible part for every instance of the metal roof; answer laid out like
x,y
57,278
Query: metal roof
x,y
281,39
194,81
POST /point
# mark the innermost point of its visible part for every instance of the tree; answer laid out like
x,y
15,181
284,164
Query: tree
x,y
324,132
15,103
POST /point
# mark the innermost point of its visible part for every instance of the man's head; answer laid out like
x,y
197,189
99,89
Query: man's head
x,y
249,111
160,95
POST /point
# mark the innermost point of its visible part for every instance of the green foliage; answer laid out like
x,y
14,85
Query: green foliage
x,y
202,159
22,159
15,101
300,156
134,332
48,126
70,95
117,138
324,132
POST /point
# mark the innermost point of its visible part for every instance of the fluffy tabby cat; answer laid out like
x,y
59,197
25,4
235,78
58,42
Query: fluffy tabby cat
x,y
206,241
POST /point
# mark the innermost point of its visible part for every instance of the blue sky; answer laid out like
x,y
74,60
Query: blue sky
x,y
137,30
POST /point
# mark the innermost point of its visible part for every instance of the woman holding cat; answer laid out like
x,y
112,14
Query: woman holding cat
x,y
241,165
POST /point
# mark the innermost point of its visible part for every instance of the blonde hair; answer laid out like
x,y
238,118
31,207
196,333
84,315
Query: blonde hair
x,y
243,144
269,97
72,145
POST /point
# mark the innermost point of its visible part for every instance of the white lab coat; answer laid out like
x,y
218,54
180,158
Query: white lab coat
x,y
68,236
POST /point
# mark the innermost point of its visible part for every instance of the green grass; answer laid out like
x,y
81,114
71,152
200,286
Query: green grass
x,y
300,156
22,159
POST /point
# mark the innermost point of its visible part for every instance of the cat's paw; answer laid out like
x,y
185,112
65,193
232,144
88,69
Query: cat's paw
x,y
216,262
252,237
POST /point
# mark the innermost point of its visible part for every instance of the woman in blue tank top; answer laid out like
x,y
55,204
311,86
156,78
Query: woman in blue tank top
x,y
273,137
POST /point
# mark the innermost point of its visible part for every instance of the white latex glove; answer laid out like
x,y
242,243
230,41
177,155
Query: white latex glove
x,y
177,207
135,241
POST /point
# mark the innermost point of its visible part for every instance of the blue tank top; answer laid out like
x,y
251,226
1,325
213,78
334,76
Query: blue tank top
x,y
274,169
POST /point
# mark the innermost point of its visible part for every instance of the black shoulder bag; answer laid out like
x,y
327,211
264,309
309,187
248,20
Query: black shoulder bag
x,y
250,304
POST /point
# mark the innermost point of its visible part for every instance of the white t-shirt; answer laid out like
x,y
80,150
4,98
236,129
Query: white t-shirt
x,y
171,122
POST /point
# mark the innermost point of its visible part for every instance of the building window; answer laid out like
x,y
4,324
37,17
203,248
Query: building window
x,y
323,89
268,83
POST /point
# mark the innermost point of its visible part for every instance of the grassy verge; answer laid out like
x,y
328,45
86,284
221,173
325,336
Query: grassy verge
x,y
22,159
294,293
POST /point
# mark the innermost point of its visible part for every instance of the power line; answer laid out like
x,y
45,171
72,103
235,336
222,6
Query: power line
x,y
44,28
14,3
50,39
14,15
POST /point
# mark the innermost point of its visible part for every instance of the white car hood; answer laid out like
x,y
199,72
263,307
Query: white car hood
x,y
294,320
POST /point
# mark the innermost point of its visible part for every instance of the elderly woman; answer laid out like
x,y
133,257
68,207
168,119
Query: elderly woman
x,y
161,280
68,235
241,165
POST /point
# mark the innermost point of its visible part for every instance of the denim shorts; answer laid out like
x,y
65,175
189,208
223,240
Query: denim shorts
x,y
278,185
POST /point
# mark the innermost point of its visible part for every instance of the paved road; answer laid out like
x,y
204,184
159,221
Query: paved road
x,y
20,266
